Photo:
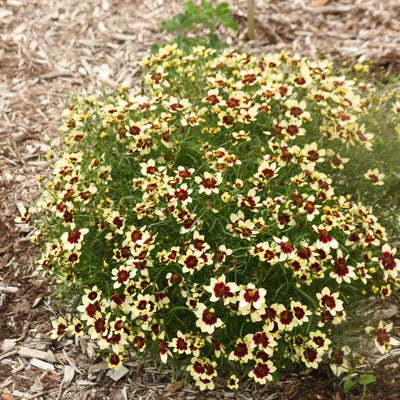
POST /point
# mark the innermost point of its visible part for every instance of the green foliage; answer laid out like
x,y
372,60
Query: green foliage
x,y
363,379
204,17
204,220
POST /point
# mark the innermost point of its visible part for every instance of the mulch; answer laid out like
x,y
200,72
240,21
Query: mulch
x,y
52,49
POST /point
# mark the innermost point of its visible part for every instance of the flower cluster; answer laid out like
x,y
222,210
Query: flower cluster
x,y
198,220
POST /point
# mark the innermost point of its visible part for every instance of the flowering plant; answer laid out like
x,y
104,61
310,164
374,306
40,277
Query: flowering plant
x,y
198,220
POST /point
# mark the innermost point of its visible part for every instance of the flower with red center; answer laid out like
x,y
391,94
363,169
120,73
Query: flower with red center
x,y
202,368
91,295
330,301
121,276
267,170
313,154
90,311
251,201
175,105
163,348
241,136
292,128
212,97
114,361
233,382
265,341
220,255
383,340
59,328
338,363
227,119
310,208
139,341
286,320
182,194
268,314
300,312
241,227
287,250
117,340
184,173
76,327
325,241
73,257
210,183
285,220
98,327
206,319
181,343
266,251
251,298
121,301
202,371
390,265
262,372
337,161
319,340
341,270
311,357
374,176
144,306
117,223
220,290
192,261
243,350
73,240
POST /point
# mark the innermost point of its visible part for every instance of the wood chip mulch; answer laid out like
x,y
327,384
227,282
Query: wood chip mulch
x,y
53,49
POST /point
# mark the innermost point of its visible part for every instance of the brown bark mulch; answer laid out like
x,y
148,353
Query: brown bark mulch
x,y
52,49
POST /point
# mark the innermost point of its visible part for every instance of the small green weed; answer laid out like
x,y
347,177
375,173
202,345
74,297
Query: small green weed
x,y
206,17
363,379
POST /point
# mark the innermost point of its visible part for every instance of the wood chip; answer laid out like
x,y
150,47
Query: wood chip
x,y
8,344
318,3
71,362
26,352
93,369
8,289
69,374
45,366
117,374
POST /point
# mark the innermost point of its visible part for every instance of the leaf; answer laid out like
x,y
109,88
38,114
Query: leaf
x,y
208,9
191,9
227,21
222,9
366,379
173,387
276,376
348,383
214,41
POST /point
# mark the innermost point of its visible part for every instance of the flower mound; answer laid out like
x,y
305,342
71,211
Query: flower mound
x,y
198,220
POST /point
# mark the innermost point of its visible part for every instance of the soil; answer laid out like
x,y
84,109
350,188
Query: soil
x,y
50,50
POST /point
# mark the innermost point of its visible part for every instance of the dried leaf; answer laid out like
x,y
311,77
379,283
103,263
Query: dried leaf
x,y
6,396
173,387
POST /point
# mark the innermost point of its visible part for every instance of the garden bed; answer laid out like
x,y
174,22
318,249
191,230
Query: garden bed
x,y
52,51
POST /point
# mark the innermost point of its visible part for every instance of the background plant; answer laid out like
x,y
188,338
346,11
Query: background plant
x,y
205,17
203,220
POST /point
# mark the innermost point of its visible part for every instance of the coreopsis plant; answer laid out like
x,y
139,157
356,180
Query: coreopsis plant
x,y
198,220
